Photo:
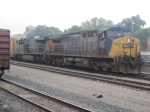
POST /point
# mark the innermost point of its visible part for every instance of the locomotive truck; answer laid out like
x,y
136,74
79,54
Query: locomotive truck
x,y
111,49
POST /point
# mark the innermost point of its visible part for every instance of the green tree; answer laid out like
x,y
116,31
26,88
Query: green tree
x,y
136,21
55,30
73,29
29,31
41,30
142,34
86,25
67,31
96,23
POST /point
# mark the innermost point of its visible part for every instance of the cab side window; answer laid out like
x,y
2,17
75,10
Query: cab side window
x,y
84,34
21,42
102,35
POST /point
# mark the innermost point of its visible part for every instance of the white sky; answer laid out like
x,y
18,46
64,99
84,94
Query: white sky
x,y
17,14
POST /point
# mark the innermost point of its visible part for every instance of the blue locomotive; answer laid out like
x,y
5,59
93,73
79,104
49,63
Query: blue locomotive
x,y
111,49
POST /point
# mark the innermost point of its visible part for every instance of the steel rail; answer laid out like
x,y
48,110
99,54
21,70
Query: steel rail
x,y
62,102
113,80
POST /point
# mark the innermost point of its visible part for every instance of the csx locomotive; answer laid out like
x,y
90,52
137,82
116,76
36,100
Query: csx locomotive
x,y
111,49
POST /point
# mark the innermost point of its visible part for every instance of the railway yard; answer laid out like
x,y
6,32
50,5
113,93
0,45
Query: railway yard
x,y
88,71
74,56
30,87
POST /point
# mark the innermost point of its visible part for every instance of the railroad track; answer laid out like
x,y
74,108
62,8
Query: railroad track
x,y
142,75
41,100
98,77
147,64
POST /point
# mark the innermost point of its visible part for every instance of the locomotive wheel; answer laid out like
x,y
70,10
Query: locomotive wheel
x,y
46,61
1,74
100,68
55,63
40,59
50,62
109,69
59,63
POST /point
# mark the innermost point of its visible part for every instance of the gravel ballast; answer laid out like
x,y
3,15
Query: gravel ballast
x,y
82,92
16,104
36,98
146,69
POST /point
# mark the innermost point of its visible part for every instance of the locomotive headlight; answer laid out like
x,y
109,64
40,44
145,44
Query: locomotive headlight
x,y
129,40
126,54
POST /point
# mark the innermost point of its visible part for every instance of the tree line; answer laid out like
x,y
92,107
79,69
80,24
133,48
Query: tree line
x,y
135,23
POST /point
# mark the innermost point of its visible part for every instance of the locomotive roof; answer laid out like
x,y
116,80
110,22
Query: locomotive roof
x,y
53,37
111,28
76,33
115,29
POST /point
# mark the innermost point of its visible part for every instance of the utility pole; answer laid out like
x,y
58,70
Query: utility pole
x,y
132,25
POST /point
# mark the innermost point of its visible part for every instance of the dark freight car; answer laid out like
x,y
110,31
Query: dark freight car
x,y
4,50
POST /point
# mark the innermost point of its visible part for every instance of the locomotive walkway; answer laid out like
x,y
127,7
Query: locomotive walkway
x,y
97,77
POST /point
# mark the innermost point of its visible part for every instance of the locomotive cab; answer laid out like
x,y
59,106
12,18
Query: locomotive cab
x,y
119,45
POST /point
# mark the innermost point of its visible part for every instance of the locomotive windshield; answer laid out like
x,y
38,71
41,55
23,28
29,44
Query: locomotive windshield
x,y
117,34
127,33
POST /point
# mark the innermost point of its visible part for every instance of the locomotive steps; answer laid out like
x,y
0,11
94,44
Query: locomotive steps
x,y
109,79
